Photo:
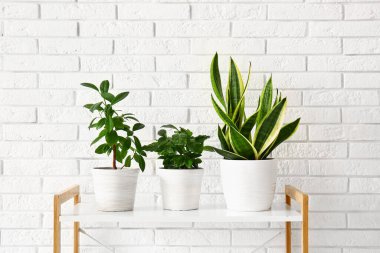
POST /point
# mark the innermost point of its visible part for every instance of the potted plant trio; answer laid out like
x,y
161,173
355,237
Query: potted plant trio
x,y
248,175
180,176
115,186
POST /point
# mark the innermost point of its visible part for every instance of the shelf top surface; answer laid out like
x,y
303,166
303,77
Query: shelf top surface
x,y
87,212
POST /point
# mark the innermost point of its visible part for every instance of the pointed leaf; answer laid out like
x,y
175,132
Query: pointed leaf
x,y
222,139
248,125
265,101
215,80
111,138
170,126
100,136
108,96
268,130
90,85
120,97
223,116
138,126
104,86
102,149
226,154
241,145
236,85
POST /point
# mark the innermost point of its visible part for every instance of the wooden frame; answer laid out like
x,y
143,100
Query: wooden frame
x,y
302,199
290,193
59,199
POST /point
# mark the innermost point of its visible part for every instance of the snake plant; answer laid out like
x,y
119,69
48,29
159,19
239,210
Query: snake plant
x,y
251,137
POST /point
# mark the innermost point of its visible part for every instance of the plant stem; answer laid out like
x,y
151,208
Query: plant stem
x,y
114,157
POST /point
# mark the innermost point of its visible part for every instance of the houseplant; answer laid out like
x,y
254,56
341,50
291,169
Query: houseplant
x,y
180,176
248,175
115,186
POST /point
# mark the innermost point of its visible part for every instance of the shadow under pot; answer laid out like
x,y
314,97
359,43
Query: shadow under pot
x,y
180,188
115,189
248,185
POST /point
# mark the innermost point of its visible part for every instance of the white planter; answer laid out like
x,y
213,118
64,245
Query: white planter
x,y
180,188
248,185
115,189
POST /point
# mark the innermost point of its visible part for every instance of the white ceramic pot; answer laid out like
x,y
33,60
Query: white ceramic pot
x,y
248,185
115,190
180,188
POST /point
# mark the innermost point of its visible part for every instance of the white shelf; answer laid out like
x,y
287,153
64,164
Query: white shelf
x,y
85,212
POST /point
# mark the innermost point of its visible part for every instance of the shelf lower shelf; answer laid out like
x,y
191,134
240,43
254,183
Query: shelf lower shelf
x,y
86,212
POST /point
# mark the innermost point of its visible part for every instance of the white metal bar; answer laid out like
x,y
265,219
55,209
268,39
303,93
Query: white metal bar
x,y
266,242
107,247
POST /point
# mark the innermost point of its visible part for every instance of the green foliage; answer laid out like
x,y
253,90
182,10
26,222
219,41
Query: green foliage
x,y
116,129
251,137
182,150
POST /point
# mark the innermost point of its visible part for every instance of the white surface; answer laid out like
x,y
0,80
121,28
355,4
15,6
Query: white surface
x,y
248,185
115,190
180,188
87,212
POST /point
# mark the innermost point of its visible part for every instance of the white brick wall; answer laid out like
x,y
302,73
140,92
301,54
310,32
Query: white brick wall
x,y
323,54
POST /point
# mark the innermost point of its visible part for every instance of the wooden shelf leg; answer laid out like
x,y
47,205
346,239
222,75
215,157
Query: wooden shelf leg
x,y
76,228
305,224
288,229
57,225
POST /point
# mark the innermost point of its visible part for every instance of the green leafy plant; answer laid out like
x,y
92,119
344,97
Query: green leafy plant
x,y
116,128
251,137
182,150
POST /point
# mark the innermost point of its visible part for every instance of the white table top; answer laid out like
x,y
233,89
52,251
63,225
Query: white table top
x,y
86,212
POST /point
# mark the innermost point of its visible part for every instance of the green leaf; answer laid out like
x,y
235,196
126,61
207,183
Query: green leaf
x,y
100,136
162,132
242,146
170,126
126,145
100,123
268,130
137,143
248,125
215,80
222,139
140,160
108,96
96,106
236,85
226,154
120,97
285,133
104,86
111,138
128,161
223,116
90,85
138,126
109,124
102,149
88,106
265,101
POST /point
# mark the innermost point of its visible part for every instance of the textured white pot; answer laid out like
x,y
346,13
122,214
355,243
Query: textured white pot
x,y
180,188
115,189
248,185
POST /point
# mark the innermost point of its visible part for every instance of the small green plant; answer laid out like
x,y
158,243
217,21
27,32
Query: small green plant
x,y
182,150
115,128
251,137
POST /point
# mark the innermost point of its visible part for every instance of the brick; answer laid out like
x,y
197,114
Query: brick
x,y
115,29
20,149
305,11
20,184
268,29
19,220
36,97
192,29
116,63
314,115
306,80
18,80
254,237
153,11
180,98
40,28
35,237
228,46
344,63
75,46
363,220
39,167
362,11
150,81
344,29
345,238
344,167
70,80
77,11
314,184
304,46
27,202
18,46
340,97
18,11
152,46
361,115
343,132
292,167
364,185
135,98
122,236
361,46
230,11
365,150
63,115
357,202
192,237
202,80
18,114
40,132
67,150
41,63
362,80
56,184
311,150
